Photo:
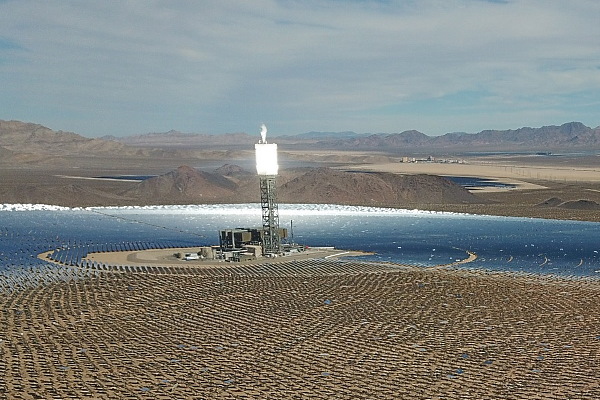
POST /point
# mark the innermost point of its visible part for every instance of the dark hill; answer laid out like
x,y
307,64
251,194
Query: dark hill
x,y
232,170
310,185
582,204
324,185
56,192
182,185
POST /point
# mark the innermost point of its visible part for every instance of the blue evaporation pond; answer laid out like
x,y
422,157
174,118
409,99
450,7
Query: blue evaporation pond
x,y
478,183
402,236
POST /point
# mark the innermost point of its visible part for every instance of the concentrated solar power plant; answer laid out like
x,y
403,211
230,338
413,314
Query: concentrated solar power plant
x,y
267,169
361,327
399,236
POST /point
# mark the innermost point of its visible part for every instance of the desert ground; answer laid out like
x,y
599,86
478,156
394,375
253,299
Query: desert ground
x,y
319,328
508,169
537,178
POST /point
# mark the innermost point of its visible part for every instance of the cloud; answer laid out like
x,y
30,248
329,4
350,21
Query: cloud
x,y
137,66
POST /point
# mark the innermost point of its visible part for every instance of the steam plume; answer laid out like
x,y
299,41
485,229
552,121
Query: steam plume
x,y
263,133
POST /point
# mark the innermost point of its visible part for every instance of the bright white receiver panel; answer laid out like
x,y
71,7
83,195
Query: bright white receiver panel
x,y
266,159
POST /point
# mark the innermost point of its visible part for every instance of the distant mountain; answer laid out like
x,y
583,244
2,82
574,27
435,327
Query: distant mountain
x,y
34,143
320,136
569,135
22,137
382,140
26,137
176,139
572,135
180,140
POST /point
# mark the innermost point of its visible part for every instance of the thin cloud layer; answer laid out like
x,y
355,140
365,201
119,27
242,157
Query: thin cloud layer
x,y
369,66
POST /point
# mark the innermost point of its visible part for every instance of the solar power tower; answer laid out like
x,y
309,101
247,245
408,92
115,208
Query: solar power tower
x,y
267,169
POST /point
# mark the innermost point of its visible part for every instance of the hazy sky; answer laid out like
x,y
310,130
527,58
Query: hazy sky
x,y
127,67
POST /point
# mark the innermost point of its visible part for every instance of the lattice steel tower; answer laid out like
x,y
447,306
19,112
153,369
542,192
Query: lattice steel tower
x,y
267,169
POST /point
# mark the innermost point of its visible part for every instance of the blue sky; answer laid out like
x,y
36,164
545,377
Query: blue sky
x,y
138,66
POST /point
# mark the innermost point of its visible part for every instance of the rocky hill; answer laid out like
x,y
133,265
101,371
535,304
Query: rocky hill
x,y
325,185
185,184
27,142
312,185
582,204
23,137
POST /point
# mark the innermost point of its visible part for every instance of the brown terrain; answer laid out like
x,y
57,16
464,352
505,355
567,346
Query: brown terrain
x,y
305,327
39,165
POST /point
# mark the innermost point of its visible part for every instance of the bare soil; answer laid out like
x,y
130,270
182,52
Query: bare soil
x,y
538,178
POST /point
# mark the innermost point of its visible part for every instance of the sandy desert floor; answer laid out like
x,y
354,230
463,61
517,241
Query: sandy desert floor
x,y
510,172
537,179
300,329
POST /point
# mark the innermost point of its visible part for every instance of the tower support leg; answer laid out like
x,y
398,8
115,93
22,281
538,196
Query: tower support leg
x,y
270,215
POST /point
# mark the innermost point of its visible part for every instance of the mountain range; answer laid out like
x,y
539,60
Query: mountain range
x,y
572,135
25,137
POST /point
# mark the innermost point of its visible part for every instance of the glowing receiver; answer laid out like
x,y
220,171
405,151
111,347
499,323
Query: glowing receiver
x,y
266,158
